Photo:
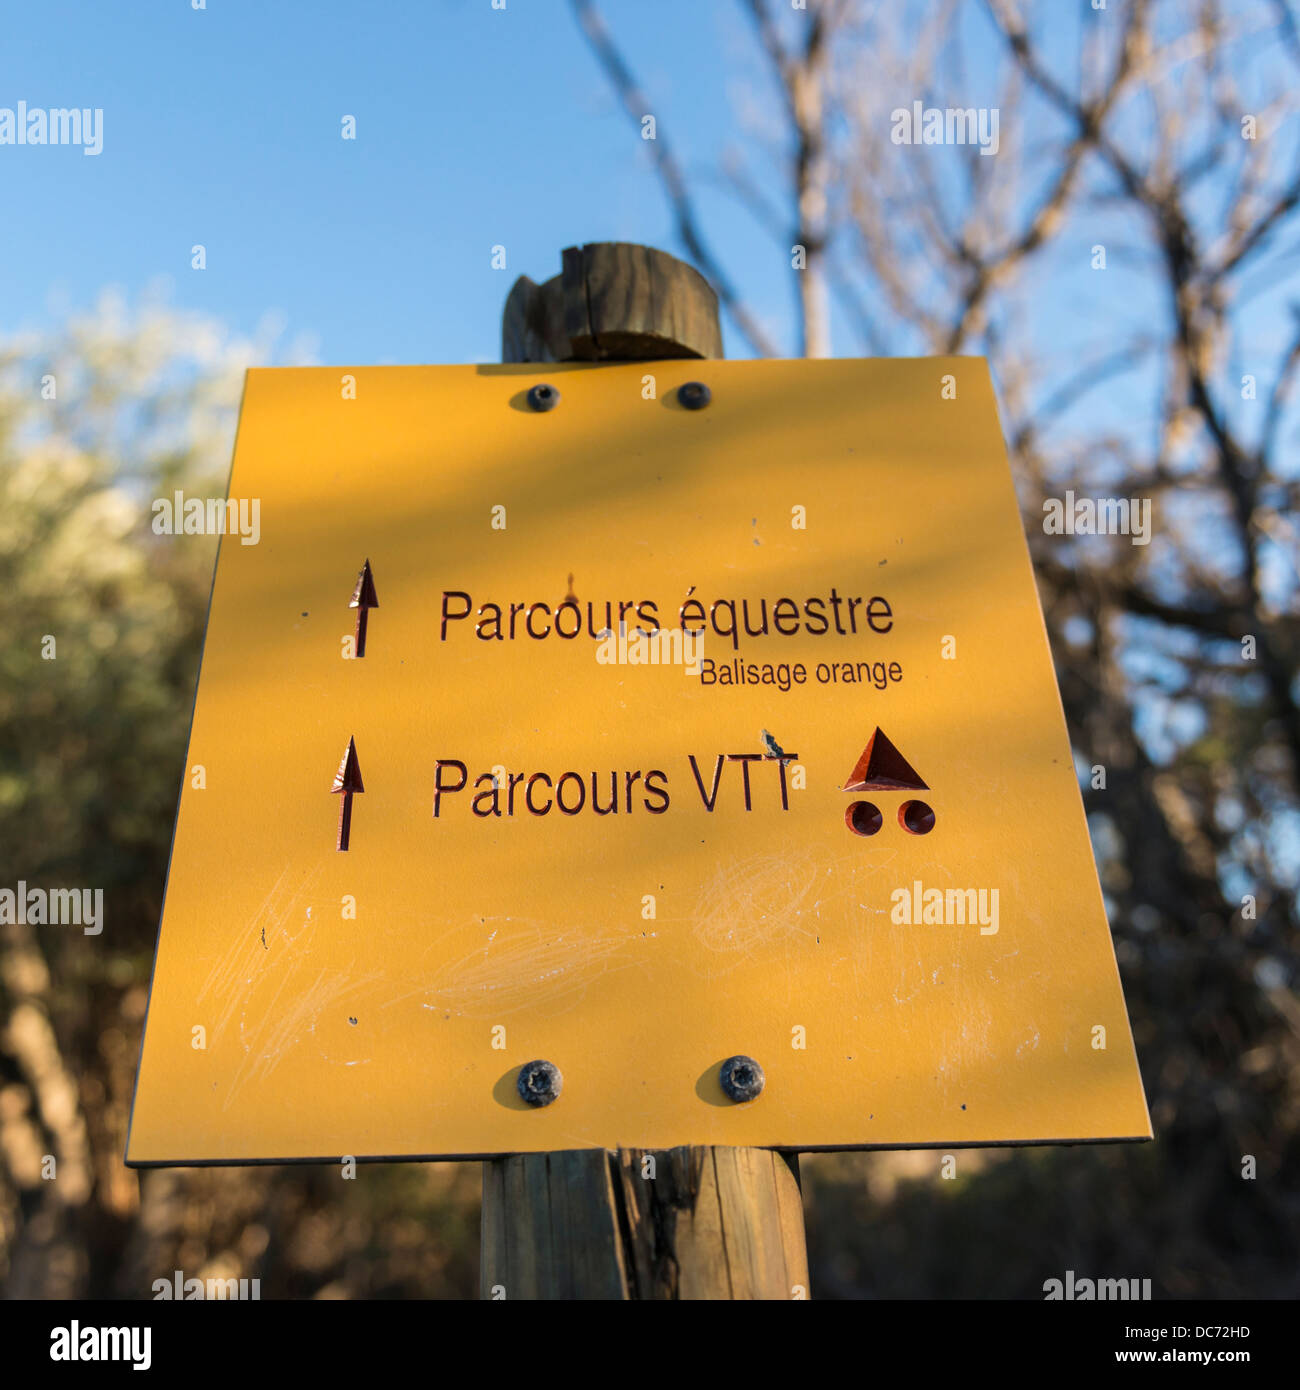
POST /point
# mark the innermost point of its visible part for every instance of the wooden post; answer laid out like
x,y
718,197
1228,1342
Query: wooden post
x,y
612,302
697,1222
711,1223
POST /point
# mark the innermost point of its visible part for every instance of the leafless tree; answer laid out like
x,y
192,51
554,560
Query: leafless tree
x,y
1127,262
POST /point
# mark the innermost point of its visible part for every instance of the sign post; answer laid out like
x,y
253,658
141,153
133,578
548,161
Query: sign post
x,y
695,1222
701,794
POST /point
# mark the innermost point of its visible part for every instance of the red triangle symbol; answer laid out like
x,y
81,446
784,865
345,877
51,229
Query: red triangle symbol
x,y
883,768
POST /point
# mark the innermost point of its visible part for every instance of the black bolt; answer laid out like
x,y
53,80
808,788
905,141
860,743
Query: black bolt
x,y
543,397
540,1082
694,395
742,1078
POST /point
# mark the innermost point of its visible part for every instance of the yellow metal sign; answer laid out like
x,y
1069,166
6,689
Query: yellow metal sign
x,y
546,759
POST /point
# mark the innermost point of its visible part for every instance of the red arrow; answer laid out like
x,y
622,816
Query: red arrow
x,y
363,600
347,780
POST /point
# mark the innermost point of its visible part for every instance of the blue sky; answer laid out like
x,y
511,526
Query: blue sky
x,y
475,128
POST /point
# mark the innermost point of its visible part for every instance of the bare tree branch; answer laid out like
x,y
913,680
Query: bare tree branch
x,y
670,175
801,75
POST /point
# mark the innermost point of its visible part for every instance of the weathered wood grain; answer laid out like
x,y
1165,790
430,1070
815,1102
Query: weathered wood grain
x,y
687,1223
612,302
713,1223
550,1228
532,324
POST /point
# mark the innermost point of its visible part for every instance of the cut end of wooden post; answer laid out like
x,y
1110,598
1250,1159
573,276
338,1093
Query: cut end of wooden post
x,y
614,301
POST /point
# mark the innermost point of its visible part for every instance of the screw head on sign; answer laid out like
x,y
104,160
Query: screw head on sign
x,y
543,396
742,1078
539,1082
694,395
